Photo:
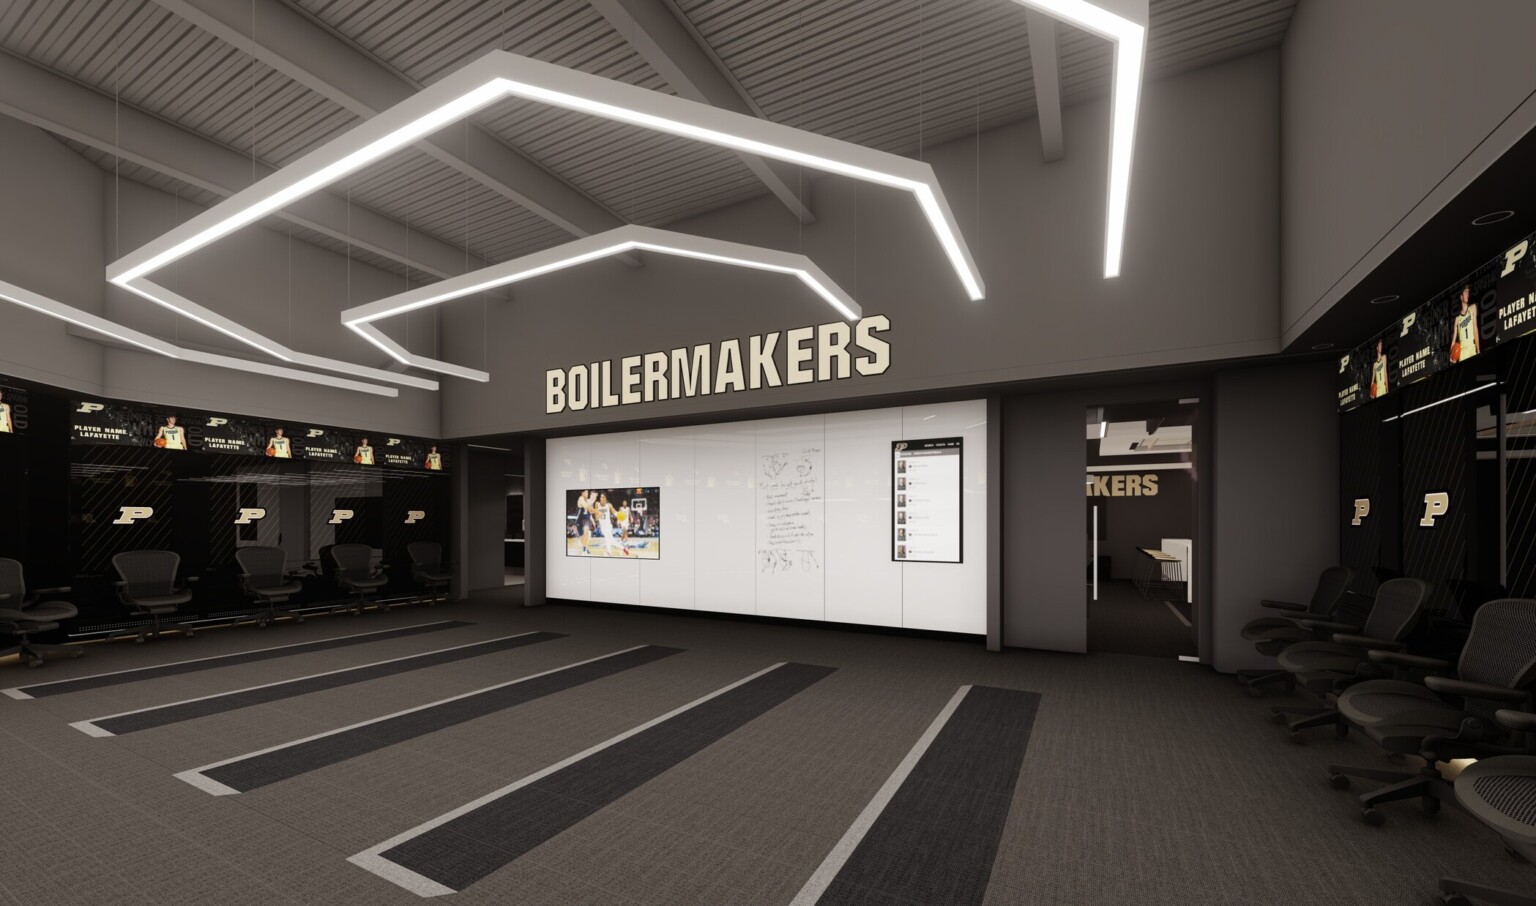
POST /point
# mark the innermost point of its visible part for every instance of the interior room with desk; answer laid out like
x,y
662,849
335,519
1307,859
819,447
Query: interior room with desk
x,y
673,452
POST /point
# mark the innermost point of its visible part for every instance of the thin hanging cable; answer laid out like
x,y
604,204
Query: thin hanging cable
x,y
253,92
922,68
290,283
407,279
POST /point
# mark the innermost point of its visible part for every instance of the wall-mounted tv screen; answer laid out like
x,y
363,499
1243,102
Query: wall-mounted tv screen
x,y
613,522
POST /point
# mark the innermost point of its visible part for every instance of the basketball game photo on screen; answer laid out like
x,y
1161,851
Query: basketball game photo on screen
x,y
613,522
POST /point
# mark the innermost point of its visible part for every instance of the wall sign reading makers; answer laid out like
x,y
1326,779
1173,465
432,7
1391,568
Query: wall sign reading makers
x,y
926,500
1142,485
802,355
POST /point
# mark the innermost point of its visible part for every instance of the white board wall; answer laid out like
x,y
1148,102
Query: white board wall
x,y
786,517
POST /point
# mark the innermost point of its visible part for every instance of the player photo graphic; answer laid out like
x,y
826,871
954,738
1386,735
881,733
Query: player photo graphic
x,y
1379,372
617,523
1465,342
901,552
171,436
6,425
278,446
435,460
363,455
901,517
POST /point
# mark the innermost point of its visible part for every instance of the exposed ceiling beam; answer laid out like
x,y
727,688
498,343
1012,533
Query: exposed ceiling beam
x,y
1046,62
665,39
36,95
304,50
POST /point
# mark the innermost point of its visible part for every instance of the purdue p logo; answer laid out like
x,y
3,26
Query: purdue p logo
x,y
250,514
216,422
314,432
339,516
128,515
1343,363
1435,505
392,442
1362,509
90,407
414,516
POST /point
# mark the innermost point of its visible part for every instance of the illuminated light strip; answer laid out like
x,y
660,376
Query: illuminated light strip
x,y
1129,37
25,298
184,306
10,292
500,74
1454,396
581,251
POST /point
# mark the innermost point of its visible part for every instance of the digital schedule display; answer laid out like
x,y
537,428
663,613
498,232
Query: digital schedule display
x,y
926,500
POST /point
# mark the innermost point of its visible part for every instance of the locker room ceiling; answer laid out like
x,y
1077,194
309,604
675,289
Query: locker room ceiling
x,y
272,79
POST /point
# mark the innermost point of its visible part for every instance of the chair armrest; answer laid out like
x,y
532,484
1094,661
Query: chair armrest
x,y
60,590
5,596
190,580
9,615
1365,641
1327,626
1400,659
1283,605
1523,721
1448,686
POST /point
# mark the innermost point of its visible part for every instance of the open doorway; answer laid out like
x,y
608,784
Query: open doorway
x,y
1142,504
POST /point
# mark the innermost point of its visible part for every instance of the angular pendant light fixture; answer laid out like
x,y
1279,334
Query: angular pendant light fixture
x,y
580,251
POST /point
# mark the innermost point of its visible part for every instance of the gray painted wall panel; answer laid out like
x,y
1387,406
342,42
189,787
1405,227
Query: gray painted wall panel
x,y
50,243
1381,100
1044,531
1276,496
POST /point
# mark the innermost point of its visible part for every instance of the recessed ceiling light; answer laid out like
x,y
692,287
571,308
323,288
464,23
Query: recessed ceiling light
x,y
1319,347
1383,300
1494,217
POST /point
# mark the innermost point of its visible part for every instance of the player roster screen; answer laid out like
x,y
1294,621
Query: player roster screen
x,y
925,498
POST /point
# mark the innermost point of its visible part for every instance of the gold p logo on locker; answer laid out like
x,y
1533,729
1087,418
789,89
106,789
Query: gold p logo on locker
x,y
128,515
250,514
340,516
414,516
1362,509
1435,505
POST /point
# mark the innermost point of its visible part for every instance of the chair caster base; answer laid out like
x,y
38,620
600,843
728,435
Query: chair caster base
x,y
1373,817
1454,899
1279,718
35,662
1338,781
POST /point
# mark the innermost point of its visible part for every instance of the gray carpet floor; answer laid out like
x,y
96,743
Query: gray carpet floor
x,y
1145,780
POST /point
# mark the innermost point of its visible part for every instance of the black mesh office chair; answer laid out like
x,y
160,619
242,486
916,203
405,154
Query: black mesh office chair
x,y
1271,635
1497,668
429,571
1501,793
23,613
356,575
265,579
148,586
1324,667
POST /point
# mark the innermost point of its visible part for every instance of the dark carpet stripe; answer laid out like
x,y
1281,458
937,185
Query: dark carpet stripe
x,y
470,846
935,841
226,660
279,764
245,698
